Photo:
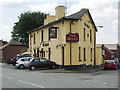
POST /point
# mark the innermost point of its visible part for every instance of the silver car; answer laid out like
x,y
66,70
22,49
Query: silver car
x,y
23,62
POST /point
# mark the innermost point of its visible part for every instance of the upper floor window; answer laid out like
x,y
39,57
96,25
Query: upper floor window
x,y
42,36
86,25
90,35
84,34
30,37
34,38
53,32
91,53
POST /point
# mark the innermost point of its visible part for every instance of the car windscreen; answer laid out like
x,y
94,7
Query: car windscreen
x,y
34,59
43,60
17,58
28,59
109,61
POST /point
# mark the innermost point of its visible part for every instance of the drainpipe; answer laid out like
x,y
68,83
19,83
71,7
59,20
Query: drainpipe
x,y
94,49
71,44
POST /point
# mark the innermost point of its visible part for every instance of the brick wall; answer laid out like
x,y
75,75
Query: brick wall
x,y
118,51
11,51
109,55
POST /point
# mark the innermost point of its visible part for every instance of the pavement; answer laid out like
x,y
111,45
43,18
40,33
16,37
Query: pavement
x,y
71,71
60,70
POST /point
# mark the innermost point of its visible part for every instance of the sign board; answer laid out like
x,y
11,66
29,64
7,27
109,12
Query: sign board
x,y
72,37
45,44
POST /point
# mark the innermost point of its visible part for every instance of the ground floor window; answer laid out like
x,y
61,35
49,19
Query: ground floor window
x,y
34,53
49,53
79,53
84,54
91,54
38,52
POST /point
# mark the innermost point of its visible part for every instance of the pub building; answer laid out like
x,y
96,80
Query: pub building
x,y
70,41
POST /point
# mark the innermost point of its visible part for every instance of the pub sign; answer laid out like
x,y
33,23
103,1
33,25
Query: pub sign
x,y
72,37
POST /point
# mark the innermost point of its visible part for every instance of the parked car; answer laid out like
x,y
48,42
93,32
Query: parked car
x,y
16,58
41,63
117,61
22,63
110,64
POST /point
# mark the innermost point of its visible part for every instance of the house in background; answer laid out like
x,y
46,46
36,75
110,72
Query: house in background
x,y
110,51
3,42
10,50
118,50
70,41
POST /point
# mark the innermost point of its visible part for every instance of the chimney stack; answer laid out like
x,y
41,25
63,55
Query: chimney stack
x,y
60,12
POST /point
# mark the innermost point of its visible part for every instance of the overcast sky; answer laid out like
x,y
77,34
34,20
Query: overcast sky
x,y
104,12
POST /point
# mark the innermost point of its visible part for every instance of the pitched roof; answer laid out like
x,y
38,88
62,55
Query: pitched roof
x,y
109,46
12,43
4,46
109,50
75,16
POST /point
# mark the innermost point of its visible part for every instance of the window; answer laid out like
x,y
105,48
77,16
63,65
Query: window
x,y
42,36
28,59
86,25
34,39
34,53
79,53
49,53
53,32
30,39
22,59
84,50
43,60
84,34
38,52
90,35
37,60
44,53
91,53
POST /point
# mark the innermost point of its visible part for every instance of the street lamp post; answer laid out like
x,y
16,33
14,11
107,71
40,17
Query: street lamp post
x,y
95,45
100,26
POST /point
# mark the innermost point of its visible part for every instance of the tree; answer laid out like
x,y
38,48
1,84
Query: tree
x,y
27,22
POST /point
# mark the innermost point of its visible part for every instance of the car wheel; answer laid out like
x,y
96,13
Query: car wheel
x,y
53,66
21,66
116,68
104,68
32,68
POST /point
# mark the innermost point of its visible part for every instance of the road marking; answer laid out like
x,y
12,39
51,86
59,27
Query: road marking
x,y
7,77
87,80
112,84
42,73
99,75
102,82
31,84
105,83
95,81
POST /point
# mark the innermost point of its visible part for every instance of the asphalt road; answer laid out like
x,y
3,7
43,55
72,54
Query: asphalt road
x,y
15,78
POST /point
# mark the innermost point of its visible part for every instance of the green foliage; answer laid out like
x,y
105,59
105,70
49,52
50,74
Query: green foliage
x,y
27,22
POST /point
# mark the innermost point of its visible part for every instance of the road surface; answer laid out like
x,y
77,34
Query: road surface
x,y
16,78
